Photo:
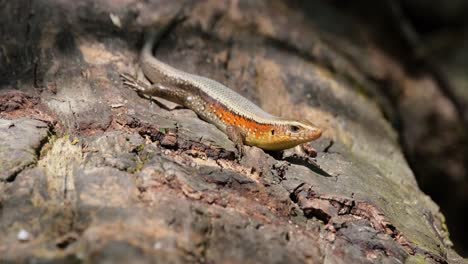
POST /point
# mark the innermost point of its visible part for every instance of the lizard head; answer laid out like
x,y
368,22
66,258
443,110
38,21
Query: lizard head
x,y
302,131
288,134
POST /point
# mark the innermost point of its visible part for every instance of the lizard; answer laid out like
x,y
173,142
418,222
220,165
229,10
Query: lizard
x,y
241,120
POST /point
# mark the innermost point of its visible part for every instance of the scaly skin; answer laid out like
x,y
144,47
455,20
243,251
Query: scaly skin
x,y
243,121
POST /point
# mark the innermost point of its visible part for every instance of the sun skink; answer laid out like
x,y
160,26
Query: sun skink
x,y
243,121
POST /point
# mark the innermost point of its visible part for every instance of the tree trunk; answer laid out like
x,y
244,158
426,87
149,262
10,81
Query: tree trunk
x,y
92,172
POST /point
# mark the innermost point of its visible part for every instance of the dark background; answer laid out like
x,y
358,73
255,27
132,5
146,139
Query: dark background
x,y
430,37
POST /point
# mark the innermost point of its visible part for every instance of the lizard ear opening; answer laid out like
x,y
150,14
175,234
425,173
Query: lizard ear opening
x,y
272,132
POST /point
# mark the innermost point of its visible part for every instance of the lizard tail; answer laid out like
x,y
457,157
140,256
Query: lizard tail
x,y
154,36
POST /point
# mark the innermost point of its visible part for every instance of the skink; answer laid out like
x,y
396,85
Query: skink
x,y
243,121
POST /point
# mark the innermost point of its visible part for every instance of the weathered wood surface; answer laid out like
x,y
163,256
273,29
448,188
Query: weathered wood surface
x,y
92,172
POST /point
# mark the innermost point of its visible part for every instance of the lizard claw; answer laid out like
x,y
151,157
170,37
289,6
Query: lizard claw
x,y
132,82
240,151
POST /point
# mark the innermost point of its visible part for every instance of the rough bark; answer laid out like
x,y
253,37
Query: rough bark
x,y
92,172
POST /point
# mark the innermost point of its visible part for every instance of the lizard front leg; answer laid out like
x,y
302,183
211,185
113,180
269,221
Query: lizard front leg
x,y
236,135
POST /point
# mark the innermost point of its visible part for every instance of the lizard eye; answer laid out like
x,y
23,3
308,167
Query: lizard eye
x,y
294,129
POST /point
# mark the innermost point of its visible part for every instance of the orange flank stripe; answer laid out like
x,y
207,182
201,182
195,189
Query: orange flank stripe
x,y
249,126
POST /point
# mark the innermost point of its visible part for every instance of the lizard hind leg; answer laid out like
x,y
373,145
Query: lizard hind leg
x,y
171,93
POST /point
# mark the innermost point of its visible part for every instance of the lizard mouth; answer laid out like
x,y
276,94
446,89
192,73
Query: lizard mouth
x,y
316,133
309,135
